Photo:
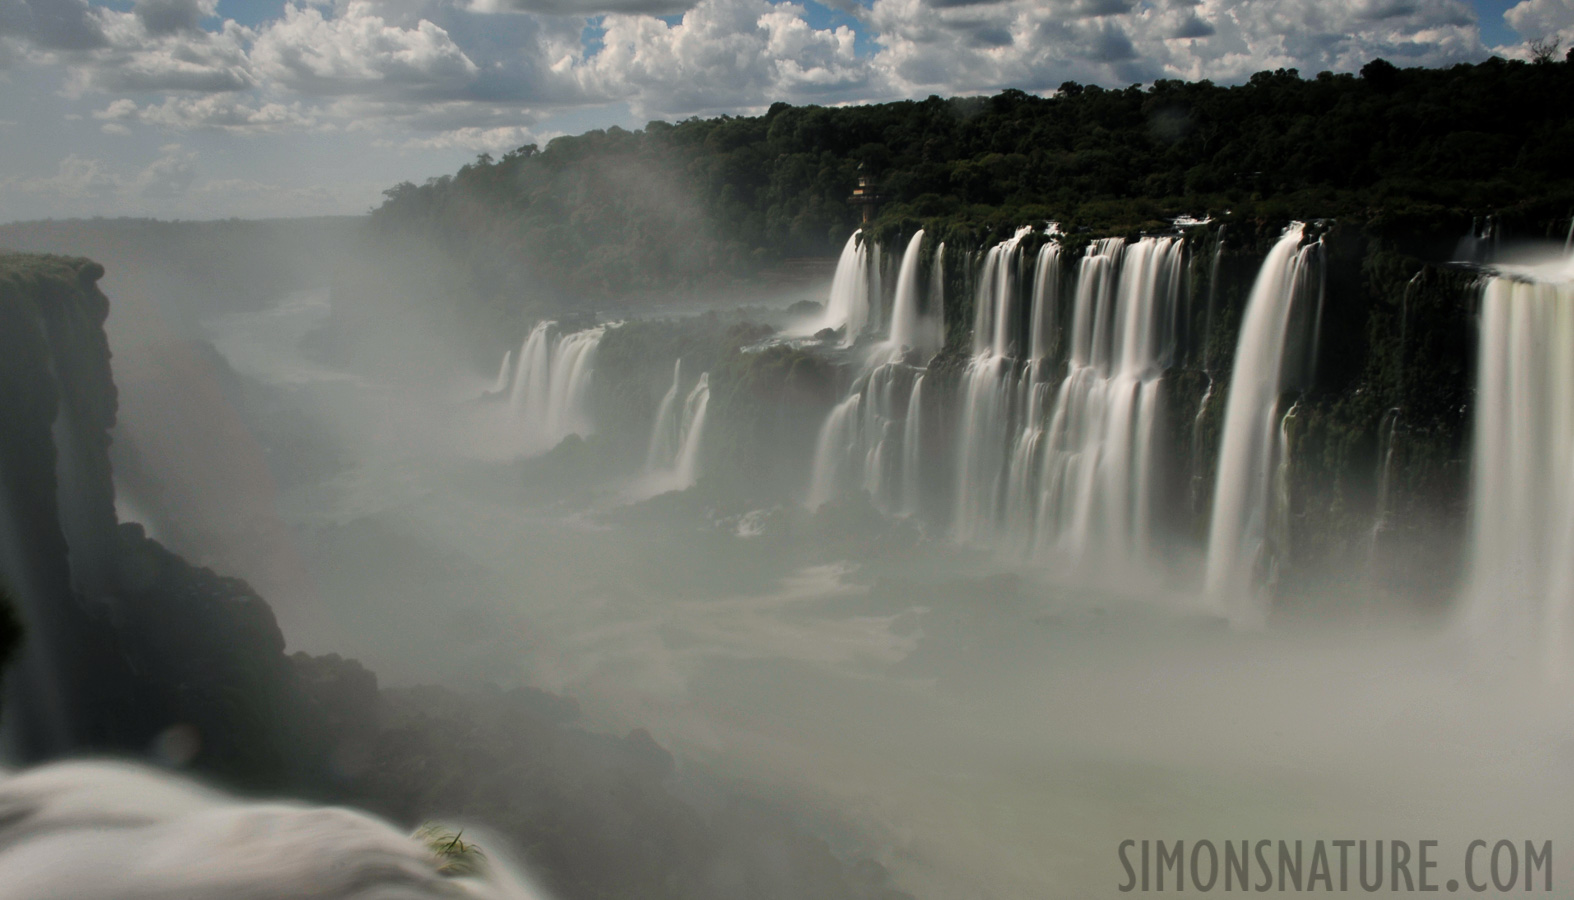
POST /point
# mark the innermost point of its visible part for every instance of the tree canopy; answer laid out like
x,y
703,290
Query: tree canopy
x,y
613,210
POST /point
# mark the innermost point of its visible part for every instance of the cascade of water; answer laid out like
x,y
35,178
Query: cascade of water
x,y
1249,447
1386,432
666,434
909,324
1522,491
672,457
988,383
551,389
936,317
692,429
912,452
1198,472
861,445
848,306
505,375
1100,468
836,443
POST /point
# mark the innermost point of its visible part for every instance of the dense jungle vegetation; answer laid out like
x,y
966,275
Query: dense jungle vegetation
x,y
706,200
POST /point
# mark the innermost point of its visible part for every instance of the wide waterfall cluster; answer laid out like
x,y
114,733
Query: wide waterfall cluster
x,y
1055,448
548,385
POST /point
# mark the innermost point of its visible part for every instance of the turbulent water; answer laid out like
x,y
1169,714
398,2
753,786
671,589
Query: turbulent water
x,y
113,831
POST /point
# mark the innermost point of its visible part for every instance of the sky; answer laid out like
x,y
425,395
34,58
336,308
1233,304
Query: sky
x,y
201,109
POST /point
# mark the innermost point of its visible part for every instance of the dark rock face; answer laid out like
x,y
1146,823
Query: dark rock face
x,y
57,516
127,645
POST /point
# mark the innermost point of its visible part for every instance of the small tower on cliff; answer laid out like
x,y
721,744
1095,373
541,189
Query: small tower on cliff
x,y
864,195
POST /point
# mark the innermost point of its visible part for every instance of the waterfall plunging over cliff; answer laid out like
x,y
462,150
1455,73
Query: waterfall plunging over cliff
x,y
867,442
1522,515
1267,358
912,326
672,459
987,387
550,396
1066,466
849,306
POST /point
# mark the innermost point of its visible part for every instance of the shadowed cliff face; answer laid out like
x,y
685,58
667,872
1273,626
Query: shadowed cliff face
x,y
56,497
124,639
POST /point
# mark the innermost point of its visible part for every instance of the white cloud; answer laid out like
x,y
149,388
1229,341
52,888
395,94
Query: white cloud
x,y
166,16
1543,19
724,54
135,60
358,52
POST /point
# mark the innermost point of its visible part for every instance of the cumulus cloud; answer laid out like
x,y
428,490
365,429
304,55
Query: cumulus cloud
x,y
358,52
926,46
583,7
52,24
137,60
166,16
1543,19
723,54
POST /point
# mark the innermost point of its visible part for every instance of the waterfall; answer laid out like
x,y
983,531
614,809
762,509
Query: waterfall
x,y
1066,468
936,317
672,458
1387,431
836,442
863,443
692,430
849,304
1100,471
550,396
912,327
1249,448
505,375
666,435
988,383
1522,490
912,455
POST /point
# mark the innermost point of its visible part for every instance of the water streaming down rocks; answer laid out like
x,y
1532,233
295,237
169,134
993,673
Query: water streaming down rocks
x,y
1270,355
912,326
867,442
505,375
551,385
1066,467
986,426
672,459
851,306
1521,577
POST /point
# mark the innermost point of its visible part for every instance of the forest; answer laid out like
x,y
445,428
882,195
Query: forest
x,y
707,201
